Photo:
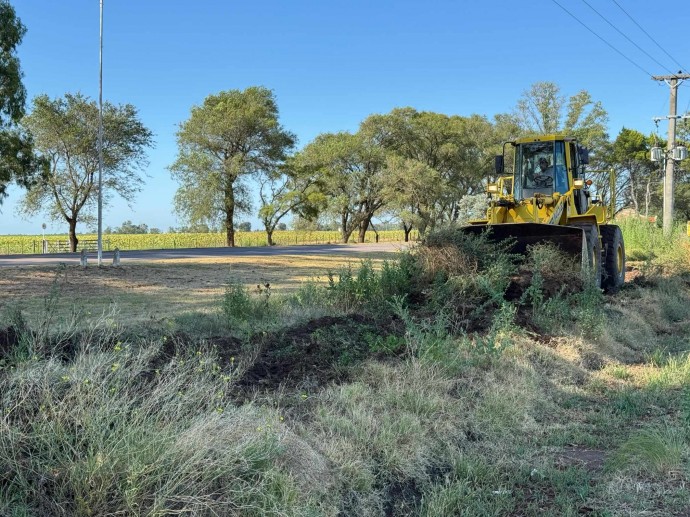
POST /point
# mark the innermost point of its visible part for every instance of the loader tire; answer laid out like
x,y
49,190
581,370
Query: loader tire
x,y
593,252
613,276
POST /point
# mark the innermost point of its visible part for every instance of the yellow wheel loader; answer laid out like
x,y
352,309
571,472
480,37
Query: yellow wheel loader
x,y
547,199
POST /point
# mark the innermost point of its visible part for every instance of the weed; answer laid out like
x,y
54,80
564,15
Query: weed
x,y
660,253
588,309
388,345
656,450
685,407
618,371
245,311
631,403
367,288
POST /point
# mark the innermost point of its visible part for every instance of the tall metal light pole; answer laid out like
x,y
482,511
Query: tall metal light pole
x,y
100,144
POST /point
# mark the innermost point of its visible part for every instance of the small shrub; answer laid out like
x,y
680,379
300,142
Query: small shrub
x,y
388,345
309,295
589,310
368,288
244,310
553,277
479,252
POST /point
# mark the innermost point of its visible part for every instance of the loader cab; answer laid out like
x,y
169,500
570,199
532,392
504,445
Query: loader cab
x,y
540,168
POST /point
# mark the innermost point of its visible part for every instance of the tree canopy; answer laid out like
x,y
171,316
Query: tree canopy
x,y
542,109
17,159
231,136
284,190
351,171
434,160
66,134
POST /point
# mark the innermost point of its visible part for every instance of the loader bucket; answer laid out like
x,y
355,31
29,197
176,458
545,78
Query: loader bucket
x,y
570,239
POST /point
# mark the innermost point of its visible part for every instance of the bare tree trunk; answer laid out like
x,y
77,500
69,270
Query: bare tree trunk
x,y
363,226
633,197
344,230
269,237
73,241
230,216
407,230
647,199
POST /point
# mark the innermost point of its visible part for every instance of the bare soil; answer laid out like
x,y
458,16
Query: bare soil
x,y
156,290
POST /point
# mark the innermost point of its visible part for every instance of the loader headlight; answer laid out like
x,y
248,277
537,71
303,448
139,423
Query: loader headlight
x,y
492,188
578,184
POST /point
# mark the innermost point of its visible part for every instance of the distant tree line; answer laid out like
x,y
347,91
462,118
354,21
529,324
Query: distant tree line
x,y
418,169
415,167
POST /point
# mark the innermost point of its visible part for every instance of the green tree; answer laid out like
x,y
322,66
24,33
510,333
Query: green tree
x,y
351,172
17,159
440,159
414,194
66,134
543,110
233,135
245,226
287,189
637,177
128,227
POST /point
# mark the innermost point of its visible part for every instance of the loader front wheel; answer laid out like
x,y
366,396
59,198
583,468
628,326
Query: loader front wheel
x,y
613,276
593,252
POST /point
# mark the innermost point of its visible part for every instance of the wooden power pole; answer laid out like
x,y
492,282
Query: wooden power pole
x,y
672,81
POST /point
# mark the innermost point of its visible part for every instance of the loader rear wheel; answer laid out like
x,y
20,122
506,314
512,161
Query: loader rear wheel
x,y
593,252
613,276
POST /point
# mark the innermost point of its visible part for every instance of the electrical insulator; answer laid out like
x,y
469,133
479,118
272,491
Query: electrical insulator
x,y
657,154
680,153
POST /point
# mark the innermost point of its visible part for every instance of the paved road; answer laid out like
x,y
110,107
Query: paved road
x,y
153,255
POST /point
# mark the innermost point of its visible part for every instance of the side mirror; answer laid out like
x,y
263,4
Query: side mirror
x,y
498,164
584,155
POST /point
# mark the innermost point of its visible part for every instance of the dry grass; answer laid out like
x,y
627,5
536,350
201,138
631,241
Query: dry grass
x,y
157,290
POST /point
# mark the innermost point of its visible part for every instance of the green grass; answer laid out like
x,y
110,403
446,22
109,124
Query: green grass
x,y
660,451
645,242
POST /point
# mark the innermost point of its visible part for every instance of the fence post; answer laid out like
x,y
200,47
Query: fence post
x,y
83,260
116,257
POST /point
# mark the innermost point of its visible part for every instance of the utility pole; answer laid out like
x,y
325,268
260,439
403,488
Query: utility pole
x,y
672,81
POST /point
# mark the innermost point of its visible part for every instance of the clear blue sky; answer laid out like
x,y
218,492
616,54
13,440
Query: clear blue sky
x,y
331,64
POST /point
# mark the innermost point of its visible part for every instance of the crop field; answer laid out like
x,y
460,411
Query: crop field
x,y
31,244
423,383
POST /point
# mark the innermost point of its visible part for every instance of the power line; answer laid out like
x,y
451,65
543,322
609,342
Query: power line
x,y
647,34
626,37
602,39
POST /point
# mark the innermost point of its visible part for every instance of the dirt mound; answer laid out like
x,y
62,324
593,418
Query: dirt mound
x,y
316,352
